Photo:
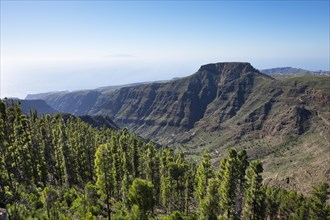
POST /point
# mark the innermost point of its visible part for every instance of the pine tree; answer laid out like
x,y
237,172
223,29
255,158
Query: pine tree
x,y
8,150
134,155
91,199
290,202
165,180
22,147
142,198
228,175
49,198
302,212
66,154
49,152
189,187
37,150
104,173
149,164
204,173
177,171
176,174
125,182
117,168
58,154
242,160
5,175
319,207
210,207
254,207
272,202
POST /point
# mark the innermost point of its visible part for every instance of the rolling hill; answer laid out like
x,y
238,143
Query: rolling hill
x,y
293,71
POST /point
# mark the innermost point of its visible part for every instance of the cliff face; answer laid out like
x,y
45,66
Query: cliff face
x,y
77,103
283,122
215,91
218,97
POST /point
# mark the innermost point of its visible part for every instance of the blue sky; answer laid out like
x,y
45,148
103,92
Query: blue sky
x,y
71,45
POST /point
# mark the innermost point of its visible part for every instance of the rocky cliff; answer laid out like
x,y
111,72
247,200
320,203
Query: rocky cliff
x,y
226,105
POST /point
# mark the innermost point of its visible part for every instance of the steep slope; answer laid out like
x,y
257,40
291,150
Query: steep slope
x,y
283,122
33,105
42,107
181,103
77,102
97,121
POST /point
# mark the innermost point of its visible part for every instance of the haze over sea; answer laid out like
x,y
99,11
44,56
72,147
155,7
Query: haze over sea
x,y
71,45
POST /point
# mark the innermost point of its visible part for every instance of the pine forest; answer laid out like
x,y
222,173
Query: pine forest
x,y
52,167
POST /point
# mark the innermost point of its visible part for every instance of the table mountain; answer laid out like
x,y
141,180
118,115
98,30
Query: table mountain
x,y
284,122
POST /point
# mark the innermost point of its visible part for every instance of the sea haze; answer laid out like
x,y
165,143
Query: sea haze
x,y
93,44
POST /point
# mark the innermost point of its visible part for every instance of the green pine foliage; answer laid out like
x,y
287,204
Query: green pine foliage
x,y
318,202
203,174
229,184
210,207
58,167
254,207
141,196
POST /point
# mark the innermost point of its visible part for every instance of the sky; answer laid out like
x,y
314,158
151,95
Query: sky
x,y
72,45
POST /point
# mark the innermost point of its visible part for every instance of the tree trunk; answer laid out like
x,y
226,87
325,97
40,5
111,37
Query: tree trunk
x,y
108,207
108,196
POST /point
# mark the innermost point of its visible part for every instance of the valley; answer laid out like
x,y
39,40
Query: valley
x,y
165,110
284,121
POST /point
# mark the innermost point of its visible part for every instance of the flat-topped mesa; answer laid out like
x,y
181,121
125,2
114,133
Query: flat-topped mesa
x,y
226,67
226,72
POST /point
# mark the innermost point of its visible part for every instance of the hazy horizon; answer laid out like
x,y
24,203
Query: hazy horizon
x,y
55,45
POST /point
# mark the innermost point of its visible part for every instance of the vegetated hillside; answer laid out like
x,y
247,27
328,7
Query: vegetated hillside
x,y
96,121
31,105
293,71
54,167
283,122
41,107
99,121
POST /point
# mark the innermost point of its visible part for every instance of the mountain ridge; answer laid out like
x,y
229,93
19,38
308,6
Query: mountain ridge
x,y
41,107
224,105
293,71
38,105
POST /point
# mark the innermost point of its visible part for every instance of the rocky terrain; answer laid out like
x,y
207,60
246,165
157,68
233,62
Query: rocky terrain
x,y
284,122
